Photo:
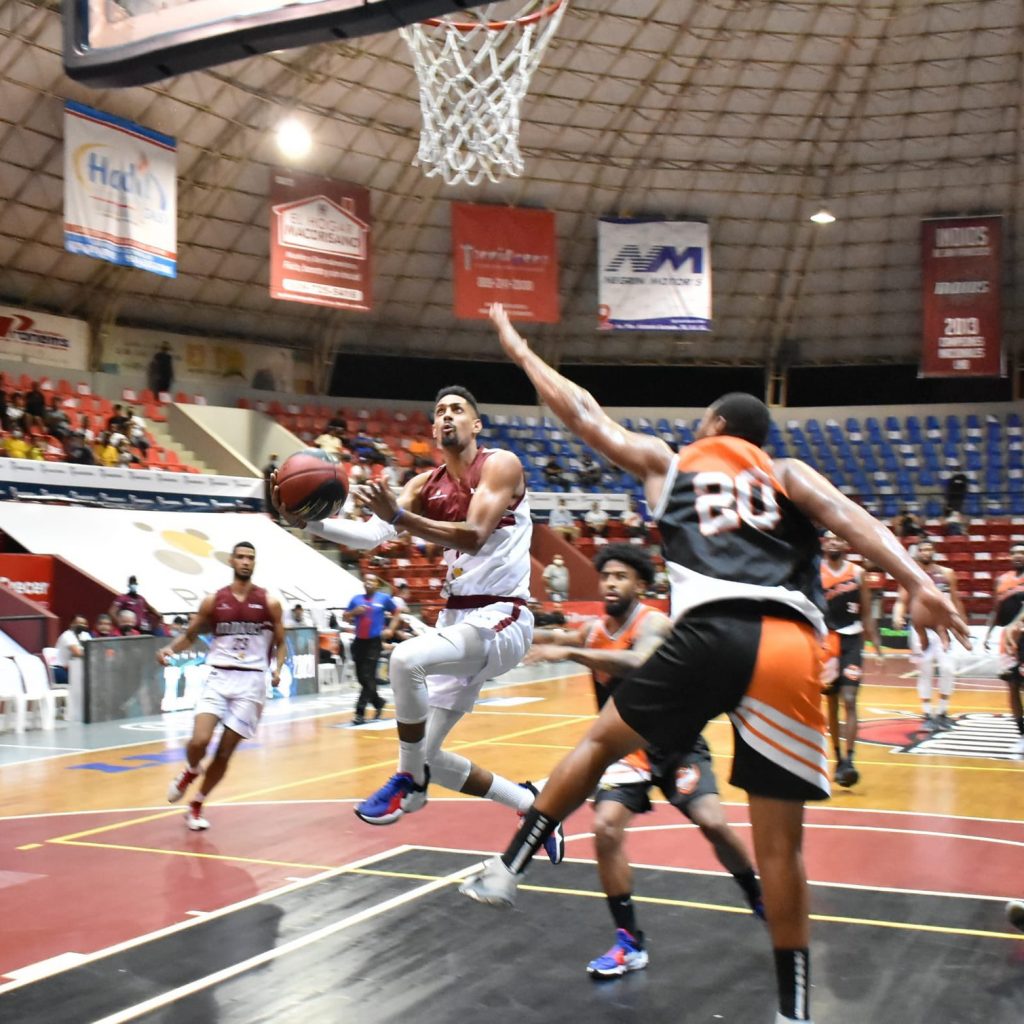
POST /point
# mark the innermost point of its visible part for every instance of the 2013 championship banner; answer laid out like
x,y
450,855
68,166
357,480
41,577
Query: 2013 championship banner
x,y
655,275
120,191
319,241
960,276
508,255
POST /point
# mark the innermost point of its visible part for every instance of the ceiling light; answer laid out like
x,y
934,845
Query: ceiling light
x,y
293,138
823,216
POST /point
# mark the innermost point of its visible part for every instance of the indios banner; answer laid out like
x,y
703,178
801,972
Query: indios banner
x,y
960,280
508,255
120,191
654,275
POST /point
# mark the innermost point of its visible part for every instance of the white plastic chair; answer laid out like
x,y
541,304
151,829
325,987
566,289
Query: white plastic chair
x,y
37,688
49,656
12,691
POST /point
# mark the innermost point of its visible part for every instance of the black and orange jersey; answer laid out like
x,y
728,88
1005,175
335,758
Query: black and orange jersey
x,y
622,639
842,594
1009,596
730,531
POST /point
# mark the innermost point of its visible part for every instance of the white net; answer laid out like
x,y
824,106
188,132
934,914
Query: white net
x,y
473,77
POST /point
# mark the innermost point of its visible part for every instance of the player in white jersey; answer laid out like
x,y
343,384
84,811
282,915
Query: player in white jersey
x,y
474,505
246,625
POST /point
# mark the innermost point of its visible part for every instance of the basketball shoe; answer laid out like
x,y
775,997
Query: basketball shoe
x,y
494,885
399,795
180,783
194,818
779,1019
626,955
1015,913
554,845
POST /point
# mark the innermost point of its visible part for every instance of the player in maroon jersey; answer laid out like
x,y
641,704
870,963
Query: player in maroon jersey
x,y
246,625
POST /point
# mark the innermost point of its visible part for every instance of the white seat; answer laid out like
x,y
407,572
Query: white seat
x,y
12,691
37,687
49,656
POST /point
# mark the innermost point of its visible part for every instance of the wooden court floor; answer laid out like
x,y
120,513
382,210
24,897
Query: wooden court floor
x,y
290,909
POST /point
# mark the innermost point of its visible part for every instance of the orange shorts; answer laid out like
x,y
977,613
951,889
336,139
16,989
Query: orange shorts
x,y
758,662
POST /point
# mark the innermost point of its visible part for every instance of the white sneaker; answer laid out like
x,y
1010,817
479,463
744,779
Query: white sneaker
x,y
494,885
194,818
180,783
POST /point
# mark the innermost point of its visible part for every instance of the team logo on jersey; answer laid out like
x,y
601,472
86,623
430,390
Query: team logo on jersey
x,y
979,734
687,778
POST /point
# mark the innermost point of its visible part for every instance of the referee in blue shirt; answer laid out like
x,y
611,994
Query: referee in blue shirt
x,y
369,612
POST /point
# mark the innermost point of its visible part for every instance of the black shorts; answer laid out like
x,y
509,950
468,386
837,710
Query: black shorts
x,y
760,663
682,780
850,661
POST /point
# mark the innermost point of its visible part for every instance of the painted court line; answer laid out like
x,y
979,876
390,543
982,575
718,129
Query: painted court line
x,y
230,908
234,970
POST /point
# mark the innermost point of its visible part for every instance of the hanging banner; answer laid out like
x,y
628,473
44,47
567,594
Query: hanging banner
x,y
960,279
507,255
655,275
319,241
120,191
43,339
30,576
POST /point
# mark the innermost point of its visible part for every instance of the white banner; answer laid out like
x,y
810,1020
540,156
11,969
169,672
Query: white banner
x,y
655,275
179,557
120,191
43,339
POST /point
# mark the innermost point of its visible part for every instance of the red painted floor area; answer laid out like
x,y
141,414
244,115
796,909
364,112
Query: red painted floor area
x,y
150,871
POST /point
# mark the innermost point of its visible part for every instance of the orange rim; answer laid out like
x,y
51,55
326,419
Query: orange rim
x,y
495,26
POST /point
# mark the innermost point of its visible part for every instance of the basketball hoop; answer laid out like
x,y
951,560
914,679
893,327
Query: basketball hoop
x,y
473,76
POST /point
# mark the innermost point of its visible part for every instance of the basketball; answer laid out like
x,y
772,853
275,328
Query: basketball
x,y
312,484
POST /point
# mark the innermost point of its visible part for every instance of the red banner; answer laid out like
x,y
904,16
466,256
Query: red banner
x,y
30,576
319,241
960,275
508,255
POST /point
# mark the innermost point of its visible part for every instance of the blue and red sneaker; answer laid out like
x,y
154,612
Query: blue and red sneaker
x,y
554,845
626,955
399,795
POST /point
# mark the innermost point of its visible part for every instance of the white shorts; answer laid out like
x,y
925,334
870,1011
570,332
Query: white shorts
x,y
507,632
235,697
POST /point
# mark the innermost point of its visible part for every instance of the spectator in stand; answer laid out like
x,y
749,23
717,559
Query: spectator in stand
x,y
35,409
58,423
297,616
69,645
908,526
128,623
125,455
15,445
268,505
160,373
77,451
561,520
36,447
15,414
137,432
554,475
633,522
117,422
597,520
104,626
329,442
336,423
954,522
131,600
956,488
556,579
400,595
589,474
105,450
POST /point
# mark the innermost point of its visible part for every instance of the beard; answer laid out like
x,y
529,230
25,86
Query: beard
x,y
618,607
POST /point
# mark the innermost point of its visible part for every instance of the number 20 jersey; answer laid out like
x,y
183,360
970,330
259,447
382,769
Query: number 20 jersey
x,y
729,531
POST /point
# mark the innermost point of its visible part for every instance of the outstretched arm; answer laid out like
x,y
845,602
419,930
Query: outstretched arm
x,y
646,457
652,632
199,624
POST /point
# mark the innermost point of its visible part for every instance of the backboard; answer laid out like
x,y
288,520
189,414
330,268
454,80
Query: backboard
x,y
133,42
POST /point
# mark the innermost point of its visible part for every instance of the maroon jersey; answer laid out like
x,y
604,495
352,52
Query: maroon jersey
x,y
242,630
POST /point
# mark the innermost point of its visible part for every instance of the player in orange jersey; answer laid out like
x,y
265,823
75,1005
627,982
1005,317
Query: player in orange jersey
x,y
849,619
611,646
1007,604
742,552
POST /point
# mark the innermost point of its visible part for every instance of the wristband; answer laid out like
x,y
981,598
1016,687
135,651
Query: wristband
x,y
394,519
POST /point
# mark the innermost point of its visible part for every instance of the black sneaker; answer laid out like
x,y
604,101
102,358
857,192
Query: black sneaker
x,y
930,724
849,775
944,722
358,720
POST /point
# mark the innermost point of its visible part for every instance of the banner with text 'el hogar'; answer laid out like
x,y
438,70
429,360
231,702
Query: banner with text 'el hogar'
x,y
654,275
120,191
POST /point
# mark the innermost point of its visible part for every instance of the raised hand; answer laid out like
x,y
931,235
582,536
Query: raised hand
x,y
512,342
929,609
